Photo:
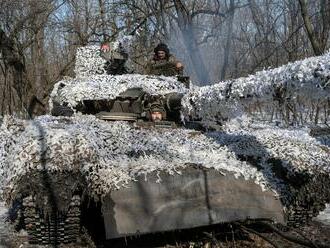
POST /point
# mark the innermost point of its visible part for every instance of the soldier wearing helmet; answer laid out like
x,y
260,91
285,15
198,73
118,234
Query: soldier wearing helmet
x,y
163,63
116,58
157,111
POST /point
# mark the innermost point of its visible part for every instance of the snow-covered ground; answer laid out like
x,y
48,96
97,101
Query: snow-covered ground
x,y
9,238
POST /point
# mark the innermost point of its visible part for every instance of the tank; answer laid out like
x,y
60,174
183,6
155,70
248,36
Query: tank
x,y
131,154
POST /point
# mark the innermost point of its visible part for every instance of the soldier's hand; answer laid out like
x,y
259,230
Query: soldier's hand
x,y
105,48
179,66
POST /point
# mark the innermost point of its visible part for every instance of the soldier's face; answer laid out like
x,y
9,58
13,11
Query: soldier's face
x,y
156,116
161,54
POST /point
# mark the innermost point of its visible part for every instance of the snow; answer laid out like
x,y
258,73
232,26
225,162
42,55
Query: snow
x,y
5,229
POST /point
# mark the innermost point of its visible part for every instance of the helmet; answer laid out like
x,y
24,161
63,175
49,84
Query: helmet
x,y
156,106
162,47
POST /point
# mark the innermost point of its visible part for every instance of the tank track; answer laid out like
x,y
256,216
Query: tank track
x,y
309,201
306,195
56,229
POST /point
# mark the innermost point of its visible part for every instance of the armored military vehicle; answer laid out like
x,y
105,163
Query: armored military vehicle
x,y
134,154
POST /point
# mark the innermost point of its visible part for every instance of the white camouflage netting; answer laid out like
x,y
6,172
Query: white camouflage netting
x,y
298,151
296,148
98,87
110,154
88,59
107,154
89,62
303,81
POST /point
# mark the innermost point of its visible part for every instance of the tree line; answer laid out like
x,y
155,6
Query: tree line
x,y
215,39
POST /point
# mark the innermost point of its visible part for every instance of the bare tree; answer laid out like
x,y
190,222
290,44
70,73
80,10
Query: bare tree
x,y
14,76
229,32
318,37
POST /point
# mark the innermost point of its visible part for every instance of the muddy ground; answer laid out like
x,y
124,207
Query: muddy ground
x,y
314,235
235,235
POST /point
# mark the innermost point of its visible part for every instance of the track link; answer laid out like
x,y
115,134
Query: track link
x,y
58,228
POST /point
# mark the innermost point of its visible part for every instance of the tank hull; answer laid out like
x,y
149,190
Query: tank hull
x,y
198,197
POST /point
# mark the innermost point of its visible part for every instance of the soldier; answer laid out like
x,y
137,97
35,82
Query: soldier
x,y
116,59
157,111
163,63
156,116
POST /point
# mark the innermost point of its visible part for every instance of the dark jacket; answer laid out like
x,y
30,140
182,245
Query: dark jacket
x,y
166,67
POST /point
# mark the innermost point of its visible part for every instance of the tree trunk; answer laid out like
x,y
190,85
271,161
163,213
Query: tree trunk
x,y
38,54
229,39
14,77
20,93
103,22
309,28
293,26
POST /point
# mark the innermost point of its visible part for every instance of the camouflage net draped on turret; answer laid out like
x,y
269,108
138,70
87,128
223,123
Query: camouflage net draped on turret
x,y
297,87
98,157
100,87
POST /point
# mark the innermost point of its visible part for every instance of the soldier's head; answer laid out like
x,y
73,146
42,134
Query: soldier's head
x,y
157,112
161,51
156,116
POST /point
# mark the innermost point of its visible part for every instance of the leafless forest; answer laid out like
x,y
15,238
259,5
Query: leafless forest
x,y
215,39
